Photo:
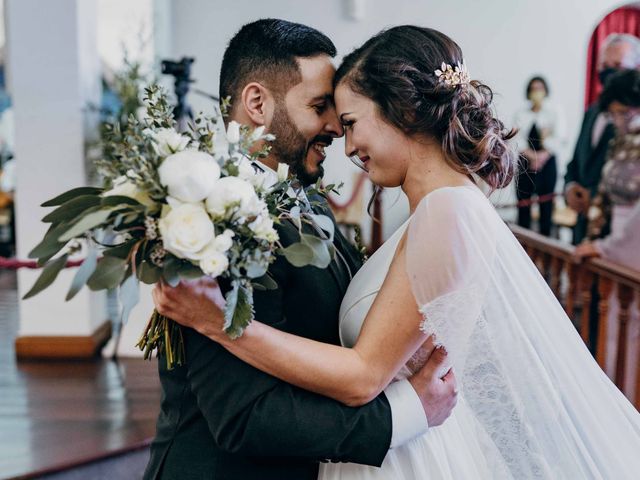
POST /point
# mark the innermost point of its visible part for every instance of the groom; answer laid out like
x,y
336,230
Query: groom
x,y
221,418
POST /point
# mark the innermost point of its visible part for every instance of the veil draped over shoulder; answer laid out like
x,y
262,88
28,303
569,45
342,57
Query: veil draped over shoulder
x,y
531,383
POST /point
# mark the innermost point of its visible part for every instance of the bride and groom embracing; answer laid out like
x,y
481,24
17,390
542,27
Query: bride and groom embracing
x,y
457,361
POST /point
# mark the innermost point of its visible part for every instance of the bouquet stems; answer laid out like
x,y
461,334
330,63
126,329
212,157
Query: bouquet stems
x,y
165,336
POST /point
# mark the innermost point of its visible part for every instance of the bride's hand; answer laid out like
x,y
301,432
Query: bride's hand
x,y
196,304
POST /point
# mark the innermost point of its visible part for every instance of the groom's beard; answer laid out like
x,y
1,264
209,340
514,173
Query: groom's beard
x,y
291,147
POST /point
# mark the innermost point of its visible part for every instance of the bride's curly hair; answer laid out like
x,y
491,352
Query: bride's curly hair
x,y
396,69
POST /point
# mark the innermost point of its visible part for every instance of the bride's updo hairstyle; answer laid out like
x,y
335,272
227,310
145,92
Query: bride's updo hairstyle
x,y
396,69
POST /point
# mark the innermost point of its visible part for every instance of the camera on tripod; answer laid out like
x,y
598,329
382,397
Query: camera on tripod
x,y
181,69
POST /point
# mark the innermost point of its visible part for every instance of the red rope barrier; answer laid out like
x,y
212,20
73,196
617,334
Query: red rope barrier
x,y
15,264
530,201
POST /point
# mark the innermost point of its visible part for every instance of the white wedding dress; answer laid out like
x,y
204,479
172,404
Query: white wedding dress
x,y
533,403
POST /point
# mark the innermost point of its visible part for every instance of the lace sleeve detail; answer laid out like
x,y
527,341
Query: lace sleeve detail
x,y
450,320
449,253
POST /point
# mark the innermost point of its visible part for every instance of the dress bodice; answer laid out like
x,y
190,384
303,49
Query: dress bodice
x,y
364,287
362,292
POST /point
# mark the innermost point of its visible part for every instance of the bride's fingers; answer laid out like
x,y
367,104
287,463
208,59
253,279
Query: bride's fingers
x,y
450,378
437,358
428,343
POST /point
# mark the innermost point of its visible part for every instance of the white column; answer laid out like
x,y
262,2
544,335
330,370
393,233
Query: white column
x,y
53,69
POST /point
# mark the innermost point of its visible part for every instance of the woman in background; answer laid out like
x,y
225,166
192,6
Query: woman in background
x,y
539,138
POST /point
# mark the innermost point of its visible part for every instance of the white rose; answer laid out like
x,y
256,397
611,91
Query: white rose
x,y
233,132
230,192
263,228
214,263
186,230
189,176
223,242
283,172
124,187
252,208
168,141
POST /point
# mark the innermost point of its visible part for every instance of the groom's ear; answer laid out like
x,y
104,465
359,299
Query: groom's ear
x,y
258,103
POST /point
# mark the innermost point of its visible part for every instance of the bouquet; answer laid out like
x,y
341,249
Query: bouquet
x,y
177,206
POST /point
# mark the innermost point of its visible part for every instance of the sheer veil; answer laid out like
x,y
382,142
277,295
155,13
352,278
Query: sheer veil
x,y
534,388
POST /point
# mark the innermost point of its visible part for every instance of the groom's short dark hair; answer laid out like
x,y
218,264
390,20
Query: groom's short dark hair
x,y
265,51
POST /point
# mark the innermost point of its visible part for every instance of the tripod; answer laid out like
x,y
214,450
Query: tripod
x,y
181,71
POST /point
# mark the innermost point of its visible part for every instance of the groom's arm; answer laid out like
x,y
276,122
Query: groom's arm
x,y
252,413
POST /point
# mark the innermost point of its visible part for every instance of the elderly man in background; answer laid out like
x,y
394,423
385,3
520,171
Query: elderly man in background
x,y
619,52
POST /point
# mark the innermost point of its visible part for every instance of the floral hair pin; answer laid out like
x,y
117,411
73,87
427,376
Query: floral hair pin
x,y
453,76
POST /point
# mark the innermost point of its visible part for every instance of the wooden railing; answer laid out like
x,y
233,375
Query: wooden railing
x,y
575,283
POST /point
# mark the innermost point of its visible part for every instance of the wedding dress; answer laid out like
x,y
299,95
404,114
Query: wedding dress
x,y
533,403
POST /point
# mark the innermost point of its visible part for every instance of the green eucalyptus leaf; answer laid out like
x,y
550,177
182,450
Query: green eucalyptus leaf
x,y
72,209
238,311
121,250
131,217
321,256
117,200
108,274
48,275
171,270
118,220
50,245
298,254
324,223
89,221
294,216
256,269
84,272
76,192
129,296
189,271
148,273
266,282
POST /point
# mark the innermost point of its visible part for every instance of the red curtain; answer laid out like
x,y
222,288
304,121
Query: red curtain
x,y
622,20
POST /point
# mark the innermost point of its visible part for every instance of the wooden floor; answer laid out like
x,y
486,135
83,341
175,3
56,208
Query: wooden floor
x,y
57,414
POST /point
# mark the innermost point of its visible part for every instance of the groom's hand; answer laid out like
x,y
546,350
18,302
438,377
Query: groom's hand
x,y
437,394
196,304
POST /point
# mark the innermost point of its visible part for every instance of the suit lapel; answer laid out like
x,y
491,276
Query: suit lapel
x,y
338,269
346,261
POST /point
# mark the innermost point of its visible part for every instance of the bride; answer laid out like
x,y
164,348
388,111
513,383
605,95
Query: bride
x,y
533,403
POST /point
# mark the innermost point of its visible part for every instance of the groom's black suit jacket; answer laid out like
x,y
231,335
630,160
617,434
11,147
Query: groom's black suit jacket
x,y
223,419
